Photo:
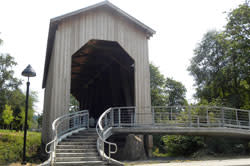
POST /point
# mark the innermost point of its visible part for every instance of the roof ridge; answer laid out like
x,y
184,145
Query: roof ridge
x,y
149,30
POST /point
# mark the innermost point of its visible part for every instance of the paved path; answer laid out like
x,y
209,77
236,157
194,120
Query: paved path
x,y
228,162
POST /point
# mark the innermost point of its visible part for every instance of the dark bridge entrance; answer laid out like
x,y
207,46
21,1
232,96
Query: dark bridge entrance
x,y
102,76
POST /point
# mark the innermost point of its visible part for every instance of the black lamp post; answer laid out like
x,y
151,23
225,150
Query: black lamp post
x,y
27,72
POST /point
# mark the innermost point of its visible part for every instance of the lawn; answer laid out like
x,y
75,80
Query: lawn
x,y
11,146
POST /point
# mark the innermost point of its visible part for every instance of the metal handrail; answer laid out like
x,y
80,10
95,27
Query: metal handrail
x,y
101,137
184,115
157,116
163,116
68,127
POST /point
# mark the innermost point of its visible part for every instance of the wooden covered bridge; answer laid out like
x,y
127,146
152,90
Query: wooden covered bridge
x,y
99,54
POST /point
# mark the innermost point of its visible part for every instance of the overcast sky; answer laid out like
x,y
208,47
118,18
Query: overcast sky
x,y
179,26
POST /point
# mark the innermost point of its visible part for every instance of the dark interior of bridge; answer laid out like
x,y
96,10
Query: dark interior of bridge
x,y
102,76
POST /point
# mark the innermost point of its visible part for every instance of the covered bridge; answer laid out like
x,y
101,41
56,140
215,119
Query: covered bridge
x,y
99,54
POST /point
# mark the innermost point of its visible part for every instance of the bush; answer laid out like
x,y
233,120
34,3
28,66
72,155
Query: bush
x,y
182,145
11,146
226,145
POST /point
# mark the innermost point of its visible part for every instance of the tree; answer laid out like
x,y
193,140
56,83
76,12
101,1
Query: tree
x,y
176,92
207,67
74,104
221,64
7,115
40,120
21,115
238,34
10,93
165,91
157,82
8,82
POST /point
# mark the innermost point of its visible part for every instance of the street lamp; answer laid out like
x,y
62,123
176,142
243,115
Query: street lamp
x,y
27,72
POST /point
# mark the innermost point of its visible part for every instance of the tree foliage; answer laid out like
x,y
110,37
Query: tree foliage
x,y
165,91
221,64
176,92
182,145
11,95
157,82
8,82
74,104
7,115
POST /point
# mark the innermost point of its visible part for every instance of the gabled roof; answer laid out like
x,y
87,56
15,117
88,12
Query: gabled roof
x,y
106,3
54,22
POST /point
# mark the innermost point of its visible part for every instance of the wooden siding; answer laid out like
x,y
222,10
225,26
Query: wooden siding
x,y
71,35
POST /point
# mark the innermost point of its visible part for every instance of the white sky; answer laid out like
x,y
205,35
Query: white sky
x,y
179,26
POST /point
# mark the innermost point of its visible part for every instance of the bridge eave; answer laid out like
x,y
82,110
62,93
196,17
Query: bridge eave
x,y
222,131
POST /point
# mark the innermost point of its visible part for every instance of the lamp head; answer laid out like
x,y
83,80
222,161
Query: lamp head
x,y
29,72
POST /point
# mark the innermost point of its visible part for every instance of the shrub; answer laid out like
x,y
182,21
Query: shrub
x,y
182,145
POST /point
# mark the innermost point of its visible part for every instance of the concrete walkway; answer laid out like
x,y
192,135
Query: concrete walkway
x,y
225,162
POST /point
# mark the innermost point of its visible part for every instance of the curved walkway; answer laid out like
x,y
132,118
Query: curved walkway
x,y
205,131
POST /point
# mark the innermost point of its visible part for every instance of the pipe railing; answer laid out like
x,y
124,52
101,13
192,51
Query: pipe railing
x,y
167,116
103,125
181,116
64,125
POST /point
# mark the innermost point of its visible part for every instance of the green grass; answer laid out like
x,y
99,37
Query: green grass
x,y
156,153
11,146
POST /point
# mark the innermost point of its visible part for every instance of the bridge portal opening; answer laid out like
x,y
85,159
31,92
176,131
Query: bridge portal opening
x,y
102,76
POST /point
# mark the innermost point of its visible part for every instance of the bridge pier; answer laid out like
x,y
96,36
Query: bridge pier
x,y
148,145
132,146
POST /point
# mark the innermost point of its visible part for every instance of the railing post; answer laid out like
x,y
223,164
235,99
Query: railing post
x,y
105,120
109,154
189,116
87,120
119,117
112,117
198,121
160,117
135,121
236,116
79,121
153,116
249,119
103,150
131,114
171,114
222,116
207,116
